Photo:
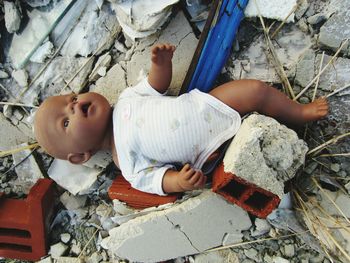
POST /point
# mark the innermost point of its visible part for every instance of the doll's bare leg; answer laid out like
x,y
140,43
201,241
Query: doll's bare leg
x,y
253,95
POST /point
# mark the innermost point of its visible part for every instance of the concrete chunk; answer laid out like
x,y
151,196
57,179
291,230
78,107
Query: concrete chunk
x,y
265,153
195,225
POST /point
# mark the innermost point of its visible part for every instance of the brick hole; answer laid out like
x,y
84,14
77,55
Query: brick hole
x,y
14,232
258,200
234,189
15,247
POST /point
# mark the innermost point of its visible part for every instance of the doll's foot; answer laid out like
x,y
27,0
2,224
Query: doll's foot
x,y
315,110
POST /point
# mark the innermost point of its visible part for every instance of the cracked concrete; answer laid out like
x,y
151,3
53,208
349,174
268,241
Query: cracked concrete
x,y
193,226
273,152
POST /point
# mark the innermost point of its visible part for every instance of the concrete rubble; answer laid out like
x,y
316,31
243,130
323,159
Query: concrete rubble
x,y
273,151
58,47
180,230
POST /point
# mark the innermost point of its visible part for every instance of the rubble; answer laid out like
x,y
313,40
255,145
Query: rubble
x,y
273,151
12,16
278,10
179,231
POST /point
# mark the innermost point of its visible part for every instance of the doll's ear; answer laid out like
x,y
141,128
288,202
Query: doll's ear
x,y
78,158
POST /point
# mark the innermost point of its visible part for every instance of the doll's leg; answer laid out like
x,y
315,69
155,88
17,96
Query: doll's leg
x,y
253,95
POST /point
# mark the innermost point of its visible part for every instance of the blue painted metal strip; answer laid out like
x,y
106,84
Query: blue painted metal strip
x,y
218,45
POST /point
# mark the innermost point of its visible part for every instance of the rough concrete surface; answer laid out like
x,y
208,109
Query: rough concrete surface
x,y
198,224
265,153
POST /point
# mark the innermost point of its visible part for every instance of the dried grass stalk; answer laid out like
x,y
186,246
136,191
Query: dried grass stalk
x,y
329,142
318,79
338,90
284,21
27,147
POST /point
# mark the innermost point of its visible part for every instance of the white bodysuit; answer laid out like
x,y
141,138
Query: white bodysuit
x,y
152,132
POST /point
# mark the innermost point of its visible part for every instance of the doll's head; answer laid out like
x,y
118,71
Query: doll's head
x,y
73,127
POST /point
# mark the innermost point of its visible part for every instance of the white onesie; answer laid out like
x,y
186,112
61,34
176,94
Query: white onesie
x,y
152,132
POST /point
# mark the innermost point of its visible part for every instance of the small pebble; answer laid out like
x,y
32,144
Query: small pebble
x,y
335,167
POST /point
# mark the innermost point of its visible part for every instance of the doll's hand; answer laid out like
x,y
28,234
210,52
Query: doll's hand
x,y
189,179
162,53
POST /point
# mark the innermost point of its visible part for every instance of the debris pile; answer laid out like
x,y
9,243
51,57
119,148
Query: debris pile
x,y
52,47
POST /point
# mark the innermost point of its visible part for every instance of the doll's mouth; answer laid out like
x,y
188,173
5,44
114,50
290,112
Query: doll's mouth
x,y
85,108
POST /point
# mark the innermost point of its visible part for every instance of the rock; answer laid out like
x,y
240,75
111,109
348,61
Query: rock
x,y
94,28
303,6
315,19
69,260
178,33
15,135
261,227
280,260
252,254
3,74
273,152
253,62
72,202
46,260
21,77
335,167
336,30
226,255
65,237
289,250
94,258
112,84
37,3
42,52
102,62
12,16
179,230
274,9
57,250
142,18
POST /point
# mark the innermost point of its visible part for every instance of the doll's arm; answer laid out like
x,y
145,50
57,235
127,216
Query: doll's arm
x,y
160,73
184,180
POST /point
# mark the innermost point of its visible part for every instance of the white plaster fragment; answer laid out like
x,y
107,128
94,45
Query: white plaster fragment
x,y
42,52
74,178
57,250
265,153
178,231
274,9
72,202
21,77
12,17
102,62
140,18
3,74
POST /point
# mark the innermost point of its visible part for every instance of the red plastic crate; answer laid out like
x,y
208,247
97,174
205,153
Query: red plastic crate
x,y
24,223
121,189
250,197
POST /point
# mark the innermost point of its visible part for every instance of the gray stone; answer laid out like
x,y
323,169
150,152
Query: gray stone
x,y
21,77
226,255
65,237
315,19
178,231
11,136
3,74
261,227
57,250
252,254
178,33
265,153
305,68
112,84
102,62
37,3
12,17
303,6
336,29
42,52
69,260
72,202
289,250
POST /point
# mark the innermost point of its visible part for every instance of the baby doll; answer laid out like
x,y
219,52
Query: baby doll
x,y
149,133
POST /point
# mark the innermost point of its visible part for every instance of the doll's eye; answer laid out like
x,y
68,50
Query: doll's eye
x,y
66,123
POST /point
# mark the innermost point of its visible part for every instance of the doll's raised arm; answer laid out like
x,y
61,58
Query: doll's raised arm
x,y
160,73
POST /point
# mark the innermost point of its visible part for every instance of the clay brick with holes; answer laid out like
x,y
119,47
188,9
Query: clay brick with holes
x,y
250,197
24,223
121,189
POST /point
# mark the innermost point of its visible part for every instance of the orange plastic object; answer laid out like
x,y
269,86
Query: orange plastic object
x,y
121,189
250,197
24,222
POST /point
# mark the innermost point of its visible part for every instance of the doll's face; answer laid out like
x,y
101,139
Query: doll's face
x,y
72,123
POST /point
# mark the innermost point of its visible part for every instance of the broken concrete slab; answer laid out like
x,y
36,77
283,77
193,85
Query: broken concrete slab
x,y
273,152
334,77
74,178
178,33
226,255
141,18
27,170
336,28
12,16
112,84
253,62
178,231
274,9
42,52
93,29
12,135
72,202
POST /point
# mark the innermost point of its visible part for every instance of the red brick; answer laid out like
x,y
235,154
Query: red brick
x,y
121,189
250,197
24,223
